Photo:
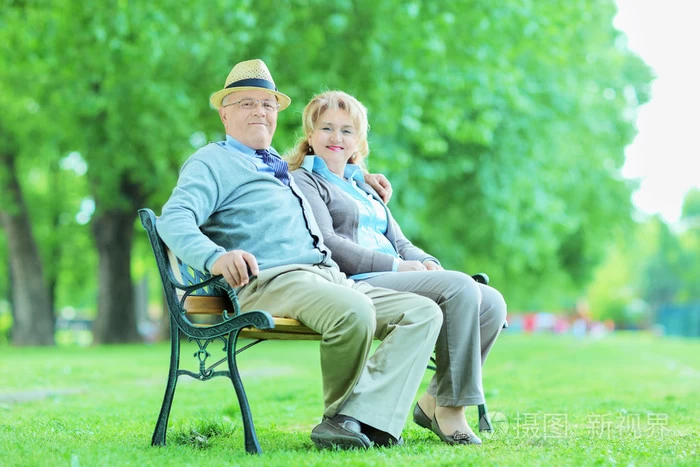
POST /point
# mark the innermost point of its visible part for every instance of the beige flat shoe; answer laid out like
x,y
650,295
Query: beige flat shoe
x,y
455,438
420,418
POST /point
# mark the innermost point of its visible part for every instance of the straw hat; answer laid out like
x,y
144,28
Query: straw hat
x,y
249,75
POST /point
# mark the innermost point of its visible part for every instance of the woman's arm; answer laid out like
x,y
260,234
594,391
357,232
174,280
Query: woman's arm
x,y
337,217
406,249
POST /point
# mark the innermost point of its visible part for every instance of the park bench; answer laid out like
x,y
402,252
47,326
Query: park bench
x,y
190,294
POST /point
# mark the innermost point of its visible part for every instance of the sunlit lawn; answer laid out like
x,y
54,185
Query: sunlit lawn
x,y
621,399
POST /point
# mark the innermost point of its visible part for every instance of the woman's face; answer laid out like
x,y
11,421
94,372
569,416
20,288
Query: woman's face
x,y
334,138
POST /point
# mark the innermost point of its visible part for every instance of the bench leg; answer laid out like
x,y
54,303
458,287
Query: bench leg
x,y
252,446
162,424
484,420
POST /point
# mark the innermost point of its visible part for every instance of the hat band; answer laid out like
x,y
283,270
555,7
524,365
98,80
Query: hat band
x,y
253,82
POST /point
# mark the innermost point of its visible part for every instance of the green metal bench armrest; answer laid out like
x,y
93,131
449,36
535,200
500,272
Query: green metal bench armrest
x,y
171,285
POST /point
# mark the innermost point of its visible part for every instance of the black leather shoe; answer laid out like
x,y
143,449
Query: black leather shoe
x,y
381,438
339,432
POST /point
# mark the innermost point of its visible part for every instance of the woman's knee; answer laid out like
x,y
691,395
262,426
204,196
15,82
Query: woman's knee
x,y
460,287
494,303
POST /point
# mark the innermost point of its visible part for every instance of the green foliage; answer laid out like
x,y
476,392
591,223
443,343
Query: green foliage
x,y
501,125
610,293
134,114
5,322
37,130
520,139
658,265
691,206
690,244
662,271
616,291
5,271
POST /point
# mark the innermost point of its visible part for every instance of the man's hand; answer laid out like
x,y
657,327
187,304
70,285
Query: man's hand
x,y
234,266
431,265
380,184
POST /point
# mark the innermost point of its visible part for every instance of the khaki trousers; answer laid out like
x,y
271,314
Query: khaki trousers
x,y
473,318
376,389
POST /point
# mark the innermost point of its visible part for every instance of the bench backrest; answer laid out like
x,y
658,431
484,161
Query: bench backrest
x,y
209,300
186,289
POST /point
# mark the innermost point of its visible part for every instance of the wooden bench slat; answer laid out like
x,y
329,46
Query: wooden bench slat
x,y
285,328
206,305
279,334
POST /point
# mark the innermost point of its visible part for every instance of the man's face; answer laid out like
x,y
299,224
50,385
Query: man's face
x,y
253,127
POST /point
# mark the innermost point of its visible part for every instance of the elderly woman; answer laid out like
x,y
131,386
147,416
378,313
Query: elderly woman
x,y
368,245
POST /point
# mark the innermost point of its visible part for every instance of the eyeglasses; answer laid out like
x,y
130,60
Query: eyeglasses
x,y
250,104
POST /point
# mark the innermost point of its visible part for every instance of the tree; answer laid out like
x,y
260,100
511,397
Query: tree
x,y
503,127
135,91
31,307
690,243
33,320
661,280
486,114
690,211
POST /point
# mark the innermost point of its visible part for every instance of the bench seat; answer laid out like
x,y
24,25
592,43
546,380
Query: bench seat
x,y
285,328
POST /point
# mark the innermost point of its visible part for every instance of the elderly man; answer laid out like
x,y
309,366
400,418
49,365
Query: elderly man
x,y
236,212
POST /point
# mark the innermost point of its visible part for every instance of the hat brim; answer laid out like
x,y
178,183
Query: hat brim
x,y
218,97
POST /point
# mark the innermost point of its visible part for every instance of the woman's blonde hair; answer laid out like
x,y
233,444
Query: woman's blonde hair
x,y
320,103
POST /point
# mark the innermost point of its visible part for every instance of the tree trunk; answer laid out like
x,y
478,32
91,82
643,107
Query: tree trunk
x,y
33,320
113,231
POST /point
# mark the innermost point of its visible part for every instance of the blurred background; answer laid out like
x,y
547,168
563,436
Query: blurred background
x,y
551,144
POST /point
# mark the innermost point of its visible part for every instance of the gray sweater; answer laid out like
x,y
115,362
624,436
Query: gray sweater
x,y
222,203
338,217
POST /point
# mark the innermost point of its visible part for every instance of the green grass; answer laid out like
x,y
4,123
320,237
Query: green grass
x,y
625,399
